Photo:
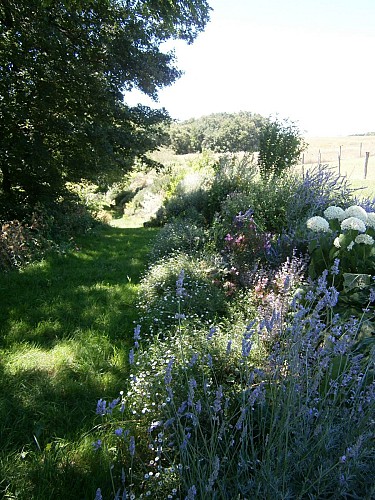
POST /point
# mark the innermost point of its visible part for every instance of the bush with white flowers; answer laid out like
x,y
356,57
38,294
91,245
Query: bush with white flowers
x,y
347,235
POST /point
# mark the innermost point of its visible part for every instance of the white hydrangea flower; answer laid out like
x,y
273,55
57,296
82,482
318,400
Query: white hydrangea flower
x,y
333,212
350,246
318,224
356,211
370,219
336,242
365,238
353,223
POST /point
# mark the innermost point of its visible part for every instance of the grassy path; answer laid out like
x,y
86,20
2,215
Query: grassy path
x,y
65,328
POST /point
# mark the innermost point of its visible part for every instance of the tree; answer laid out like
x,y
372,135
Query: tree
x,y
219,132
280,147
64,68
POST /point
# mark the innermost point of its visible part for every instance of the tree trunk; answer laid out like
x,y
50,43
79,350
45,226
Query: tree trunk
x,y
6,183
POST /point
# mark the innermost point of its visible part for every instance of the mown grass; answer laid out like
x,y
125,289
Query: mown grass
x,y
65,327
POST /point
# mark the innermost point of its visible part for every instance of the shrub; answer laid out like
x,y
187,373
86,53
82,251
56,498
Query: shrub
x,y
233,173
280,147
182,235
191,205
202,301
20,244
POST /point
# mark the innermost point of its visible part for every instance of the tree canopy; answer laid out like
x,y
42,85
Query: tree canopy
x,y
64,68
219,132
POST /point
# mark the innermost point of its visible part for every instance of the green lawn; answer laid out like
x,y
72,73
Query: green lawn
x,y
65,327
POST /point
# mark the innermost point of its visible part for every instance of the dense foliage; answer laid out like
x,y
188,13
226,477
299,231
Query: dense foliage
x,y
218,132
238,373
280,147
246,378
64,67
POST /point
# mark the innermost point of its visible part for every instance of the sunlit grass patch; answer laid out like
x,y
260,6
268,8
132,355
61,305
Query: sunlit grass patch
x,y
66,324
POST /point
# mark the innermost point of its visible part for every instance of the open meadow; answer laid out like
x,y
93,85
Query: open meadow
x,y
352,150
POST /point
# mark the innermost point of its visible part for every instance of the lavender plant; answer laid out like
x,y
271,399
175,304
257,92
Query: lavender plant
x,y
224,415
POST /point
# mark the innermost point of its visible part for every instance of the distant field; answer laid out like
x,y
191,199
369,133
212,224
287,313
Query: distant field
x,y
326,149
352,164
353,149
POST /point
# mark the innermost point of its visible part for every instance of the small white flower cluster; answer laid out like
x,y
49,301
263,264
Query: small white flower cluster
x,y
333,212
353,223
365,239
318,224
355,211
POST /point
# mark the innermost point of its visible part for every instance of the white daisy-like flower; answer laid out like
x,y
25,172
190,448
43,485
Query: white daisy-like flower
x,y
355,211
350,246
318,224
353,223
336,242
333,212
370,219
365,238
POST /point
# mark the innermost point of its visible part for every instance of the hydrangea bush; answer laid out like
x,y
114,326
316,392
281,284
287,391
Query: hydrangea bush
x,y
347,235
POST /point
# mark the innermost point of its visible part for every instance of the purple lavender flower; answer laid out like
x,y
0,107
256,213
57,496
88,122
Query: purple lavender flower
x,y
132,446
119,432
98,495
198,406
335,267
168,372
192,386
180,290
213,330
209,360
191,493
217,402
97,445
179,316
101,407
193,359
112,405
131,356
214,474
246,345
137,331
182,407
241,419
229,347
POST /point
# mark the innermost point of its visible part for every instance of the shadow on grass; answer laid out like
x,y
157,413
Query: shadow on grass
x,y
91,288
66,325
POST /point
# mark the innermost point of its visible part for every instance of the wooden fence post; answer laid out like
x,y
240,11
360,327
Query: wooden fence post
x,y
340,163
366,162
303,165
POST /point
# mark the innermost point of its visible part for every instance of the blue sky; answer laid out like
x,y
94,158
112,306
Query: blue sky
x,y
312,61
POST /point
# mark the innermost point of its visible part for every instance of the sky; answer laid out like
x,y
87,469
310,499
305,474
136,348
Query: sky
x,y
310,61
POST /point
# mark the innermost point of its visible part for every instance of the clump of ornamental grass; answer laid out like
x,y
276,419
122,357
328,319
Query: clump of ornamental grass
x,y
294,421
